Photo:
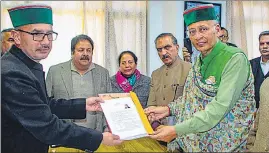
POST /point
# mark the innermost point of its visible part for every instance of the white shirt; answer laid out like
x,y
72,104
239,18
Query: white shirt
x,y
264,66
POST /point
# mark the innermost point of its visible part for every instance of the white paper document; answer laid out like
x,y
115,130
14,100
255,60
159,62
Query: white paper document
x,y
123,118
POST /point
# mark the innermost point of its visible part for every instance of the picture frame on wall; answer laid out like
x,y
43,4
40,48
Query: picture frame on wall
x,y
191,4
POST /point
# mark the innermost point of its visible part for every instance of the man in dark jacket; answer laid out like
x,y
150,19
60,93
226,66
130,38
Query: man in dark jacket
x,y
29,124
6,40
224,37
260,65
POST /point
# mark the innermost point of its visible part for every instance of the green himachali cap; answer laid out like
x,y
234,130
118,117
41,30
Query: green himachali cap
x,y
199,13
30,14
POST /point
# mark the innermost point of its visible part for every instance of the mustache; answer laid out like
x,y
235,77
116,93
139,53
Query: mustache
x,y
44,47
84,57
165,56
265,50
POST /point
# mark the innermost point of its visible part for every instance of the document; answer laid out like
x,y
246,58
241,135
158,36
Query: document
x,y
125,115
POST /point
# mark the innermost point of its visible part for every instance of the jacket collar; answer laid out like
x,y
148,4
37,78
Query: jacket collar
x,y
174,64
25,59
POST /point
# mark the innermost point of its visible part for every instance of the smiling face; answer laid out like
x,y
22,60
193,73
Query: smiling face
x,y
82,55
204,35
127,65
37,50
167,51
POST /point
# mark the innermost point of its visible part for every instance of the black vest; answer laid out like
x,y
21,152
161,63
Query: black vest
x,y
258,77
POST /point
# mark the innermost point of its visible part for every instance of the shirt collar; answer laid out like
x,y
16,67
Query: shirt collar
x,y
23,57
73,68
175,63
264,62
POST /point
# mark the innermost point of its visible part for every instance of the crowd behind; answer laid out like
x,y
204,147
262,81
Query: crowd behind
x,y
214,94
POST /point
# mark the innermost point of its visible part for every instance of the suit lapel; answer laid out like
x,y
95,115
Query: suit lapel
x,y
115,84
67,78
258,65
96,80
259,62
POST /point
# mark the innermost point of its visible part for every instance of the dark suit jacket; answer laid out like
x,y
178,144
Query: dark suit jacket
x,y
231,44
258,77
28,123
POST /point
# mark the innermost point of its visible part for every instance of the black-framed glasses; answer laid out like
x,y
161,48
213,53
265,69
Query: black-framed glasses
x,y
39,36
223,37
10,40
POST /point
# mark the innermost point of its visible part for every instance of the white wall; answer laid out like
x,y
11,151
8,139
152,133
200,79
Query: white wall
x,y
167,16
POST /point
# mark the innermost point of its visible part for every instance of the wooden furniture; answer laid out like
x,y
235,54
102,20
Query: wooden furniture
x,y
138,145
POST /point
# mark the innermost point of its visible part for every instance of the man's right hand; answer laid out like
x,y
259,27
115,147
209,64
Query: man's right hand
x,y
110,139
186,54
155,113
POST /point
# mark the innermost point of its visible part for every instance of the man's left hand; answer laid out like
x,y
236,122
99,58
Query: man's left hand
x,y
93,104
164,133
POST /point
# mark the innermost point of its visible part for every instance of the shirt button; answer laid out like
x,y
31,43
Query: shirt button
x,y
163,98
166,74
164,86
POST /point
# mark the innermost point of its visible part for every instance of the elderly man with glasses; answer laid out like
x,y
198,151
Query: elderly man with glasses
x,y
216,110
30,119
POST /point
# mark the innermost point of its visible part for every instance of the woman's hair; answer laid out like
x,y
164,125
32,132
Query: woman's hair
x,y
127,52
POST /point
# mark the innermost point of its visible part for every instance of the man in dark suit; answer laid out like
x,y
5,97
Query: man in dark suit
x,y
224,37
29,124
260,65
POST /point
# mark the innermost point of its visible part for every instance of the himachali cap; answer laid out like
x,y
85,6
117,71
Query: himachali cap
x,y
30,14
199,13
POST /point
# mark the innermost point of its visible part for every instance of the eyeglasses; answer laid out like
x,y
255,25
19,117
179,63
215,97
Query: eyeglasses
x,y
202,30
223,37
10,40
167,47
38,36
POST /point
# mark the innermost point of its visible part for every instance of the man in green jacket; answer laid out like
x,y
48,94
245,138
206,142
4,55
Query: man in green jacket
x,y
216,110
